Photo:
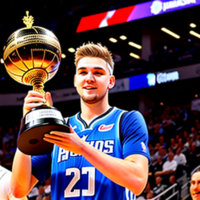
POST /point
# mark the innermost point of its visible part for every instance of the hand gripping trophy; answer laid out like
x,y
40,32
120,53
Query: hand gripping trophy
x,y
32,56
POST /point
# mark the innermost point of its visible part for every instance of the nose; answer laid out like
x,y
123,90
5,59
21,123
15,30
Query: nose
x,y
90,77
195,187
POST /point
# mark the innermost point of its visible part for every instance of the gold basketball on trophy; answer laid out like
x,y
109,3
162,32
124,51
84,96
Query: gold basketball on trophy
x,y
32,56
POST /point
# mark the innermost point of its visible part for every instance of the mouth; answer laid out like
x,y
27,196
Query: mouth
x,y
196,193
89,88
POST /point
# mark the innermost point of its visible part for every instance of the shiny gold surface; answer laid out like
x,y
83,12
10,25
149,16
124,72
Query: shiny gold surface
x,y
32,55
28,20
36,77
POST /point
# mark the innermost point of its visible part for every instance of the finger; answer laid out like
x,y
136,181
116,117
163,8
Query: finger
x,y
50,140
54,137
28,106
48,98
34,94
34,100
58,133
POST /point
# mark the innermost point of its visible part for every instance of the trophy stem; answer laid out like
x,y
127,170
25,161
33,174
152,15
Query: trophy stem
x,y
38,86
36,77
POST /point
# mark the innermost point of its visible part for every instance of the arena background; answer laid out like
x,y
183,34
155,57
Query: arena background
x,y
159,52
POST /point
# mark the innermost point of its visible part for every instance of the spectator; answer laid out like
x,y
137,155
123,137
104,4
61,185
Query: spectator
x,y
195,186
173,145
153,138
158,166
180,157
156,150
172,181
13,147
197,140
160,187
162,142
152,154
7,156
190,141
185,136
191,157
181,145
181,160
148,192
169,167
168,125
193,131
163,153
8,136
150,195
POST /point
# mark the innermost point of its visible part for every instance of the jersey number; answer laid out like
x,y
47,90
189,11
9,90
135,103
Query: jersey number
x,y
69,192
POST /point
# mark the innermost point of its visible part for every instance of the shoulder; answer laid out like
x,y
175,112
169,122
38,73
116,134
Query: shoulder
x,y
133,120
134,116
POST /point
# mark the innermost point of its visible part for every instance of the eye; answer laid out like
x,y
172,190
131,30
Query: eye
x,y
83,73
98,73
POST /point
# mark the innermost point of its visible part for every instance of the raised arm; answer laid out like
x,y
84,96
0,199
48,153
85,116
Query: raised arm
x,y
22,180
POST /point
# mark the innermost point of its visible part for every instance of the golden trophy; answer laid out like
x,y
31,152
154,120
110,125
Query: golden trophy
x,y
32,56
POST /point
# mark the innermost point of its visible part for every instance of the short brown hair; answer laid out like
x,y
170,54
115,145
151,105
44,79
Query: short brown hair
x,y
94,50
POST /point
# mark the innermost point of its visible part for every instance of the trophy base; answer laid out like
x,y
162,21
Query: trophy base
x,y
31,141
32,131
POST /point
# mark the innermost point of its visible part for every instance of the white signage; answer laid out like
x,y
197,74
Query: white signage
x,y
158,6
167,77
43,113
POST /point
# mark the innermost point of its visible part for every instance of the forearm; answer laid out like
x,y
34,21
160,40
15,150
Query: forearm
x,y
126,173
168,172
162,173
21,181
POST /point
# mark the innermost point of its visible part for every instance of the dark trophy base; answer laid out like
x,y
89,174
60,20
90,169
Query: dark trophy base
x,y
34,125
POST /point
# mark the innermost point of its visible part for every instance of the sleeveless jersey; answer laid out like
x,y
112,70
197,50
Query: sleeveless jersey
x,y
116,133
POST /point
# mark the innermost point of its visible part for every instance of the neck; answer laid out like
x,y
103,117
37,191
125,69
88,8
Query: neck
x,y
90,111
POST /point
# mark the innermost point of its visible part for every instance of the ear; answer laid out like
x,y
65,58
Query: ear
x,y
111,82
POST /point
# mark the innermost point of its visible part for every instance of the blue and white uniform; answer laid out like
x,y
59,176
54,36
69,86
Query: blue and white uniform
x,y
117,133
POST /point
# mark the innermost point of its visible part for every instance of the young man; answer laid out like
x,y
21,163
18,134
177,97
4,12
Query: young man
x,y
105,155
5,192
195,185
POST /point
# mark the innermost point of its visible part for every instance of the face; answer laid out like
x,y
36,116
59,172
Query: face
x,y
195,186
178,151
158,180
170,156
92,79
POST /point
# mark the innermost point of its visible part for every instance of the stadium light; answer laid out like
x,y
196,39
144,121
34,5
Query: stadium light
x,y
192,25
134,55
71,50
195,34
113,40
135,45
170,32
123,37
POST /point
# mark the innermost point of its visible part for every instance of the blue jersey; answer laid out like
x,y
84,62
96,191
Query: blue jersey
x,y
116,133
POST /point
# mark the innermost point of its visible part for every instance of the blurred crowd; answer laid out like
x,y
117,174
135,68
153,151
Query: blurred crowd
x,y
174,144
